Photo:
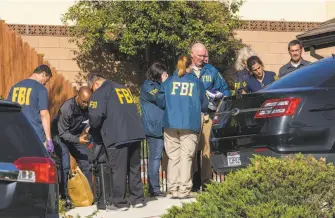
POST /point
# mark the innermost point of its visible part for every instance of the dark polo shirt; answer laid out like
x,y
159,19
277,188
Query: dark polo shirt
x,y
288,68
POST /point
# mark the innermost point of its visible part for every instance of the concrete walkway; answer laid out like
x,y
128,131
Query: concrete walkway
x,y
154,209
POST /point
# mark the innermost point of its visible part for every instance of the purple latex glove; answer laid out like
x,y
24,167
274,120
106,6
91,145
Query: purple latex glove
x,y
50,146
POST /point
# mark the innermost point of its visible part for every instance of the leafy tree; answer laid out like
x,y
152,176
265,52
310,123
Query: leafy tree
x,y
119,38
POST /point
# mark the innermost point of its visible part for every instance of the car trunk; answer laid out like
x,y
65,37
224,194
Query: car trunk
x,y
236,115
243,120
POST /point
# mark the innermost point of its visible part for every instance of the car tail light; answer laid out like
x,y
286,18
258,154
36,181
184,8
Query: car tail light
x,y
278,107
261,149
216,120
36,169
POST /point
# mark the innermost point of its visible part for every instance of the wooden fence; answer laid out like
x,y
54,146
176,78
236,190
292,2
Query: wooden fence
x,y
18,60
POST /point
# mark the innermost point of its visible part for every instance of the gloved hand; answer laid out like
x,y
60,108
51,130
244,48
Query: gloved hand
x,y
214,95
50,146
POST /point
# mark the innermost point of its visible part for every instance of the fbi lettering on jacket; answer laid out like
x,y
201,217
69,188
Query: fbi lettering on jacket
x,y
207,78
93,104
182,88
21,95
124,96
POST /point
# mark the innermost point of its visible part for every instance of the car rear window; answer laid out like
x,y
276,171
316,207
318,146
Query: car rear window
x,y
309,76
17,137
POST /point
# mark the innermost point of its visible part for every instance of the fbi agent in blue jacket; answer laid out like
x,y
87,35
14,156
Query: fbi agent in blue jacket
x,y
216,88
183,98
113,117
260,78
152,119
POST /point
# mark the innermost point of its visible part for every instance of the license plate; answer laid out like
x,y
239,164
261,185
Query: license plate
x,y
233,159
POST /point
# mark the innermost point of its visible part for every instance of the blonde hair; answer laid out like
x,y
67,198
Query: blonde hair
x,y
184,62
242,57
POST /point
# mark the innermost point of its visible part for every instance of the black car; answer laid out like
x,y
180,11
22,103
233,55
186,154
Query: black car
x,y
295,114
28,175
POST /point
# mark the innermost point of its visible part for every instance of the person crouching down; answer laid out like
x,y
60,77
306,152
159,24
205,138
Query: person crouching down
x,y
183,98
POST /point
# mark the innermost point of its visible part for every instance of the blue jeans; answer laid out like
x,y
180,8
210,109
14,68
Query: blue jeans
x,y
78,152
156,146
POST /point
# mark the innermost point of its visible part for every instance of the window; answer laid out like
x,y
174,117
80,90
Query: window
x,y
17,137
318,74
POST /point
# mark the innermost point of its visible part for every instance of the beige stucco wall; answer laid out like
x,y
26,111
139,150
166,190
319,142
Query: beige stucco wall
x,y
58,51
270,46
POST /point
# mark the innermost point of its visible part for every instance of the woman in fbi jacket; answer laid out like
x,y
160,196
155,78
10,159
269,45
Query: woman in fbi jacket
x,y
183,98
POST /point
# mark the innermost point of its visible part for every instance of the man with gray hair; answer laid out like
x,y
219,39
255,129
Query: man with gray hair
x,y
216,88
115,122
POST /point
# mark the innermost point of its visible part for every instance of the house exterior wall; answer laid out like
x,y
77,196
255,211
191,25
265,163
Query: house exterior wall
x,y
58,51
268,38
265,29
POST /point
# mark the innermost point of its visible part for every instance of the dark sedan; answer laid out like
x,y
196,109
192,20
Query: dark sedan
x,y
28,175
295,114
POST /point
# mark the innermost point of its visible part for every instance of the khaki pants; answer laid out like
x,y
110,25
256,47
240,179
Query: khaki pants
x,y
204,148
180,146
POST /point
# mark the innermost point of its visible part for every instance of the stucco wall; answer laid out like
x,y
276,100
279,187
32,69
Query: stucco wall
x,y
58,51
270,46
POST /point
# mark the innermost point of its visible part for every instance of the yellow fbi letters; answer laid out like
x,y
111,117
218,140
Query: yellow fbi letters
x,y
207,78
93,104
182,88
21,95
124,96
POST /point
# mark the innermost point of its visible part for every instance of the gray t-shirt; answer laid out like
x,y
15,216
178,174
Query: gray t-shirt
x,y
288,68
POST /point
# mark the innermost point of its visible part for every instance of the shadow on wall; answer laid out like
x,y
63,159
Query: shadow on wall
x,y
58,94
114,66
130,71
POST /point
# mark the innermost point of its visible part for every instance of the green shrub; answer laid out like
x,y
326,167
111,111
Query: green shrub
x,y
63,211
294,186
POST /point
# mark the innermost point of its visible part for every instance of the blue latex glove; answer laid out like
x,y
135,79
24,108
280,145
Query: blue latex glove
x,y
50,146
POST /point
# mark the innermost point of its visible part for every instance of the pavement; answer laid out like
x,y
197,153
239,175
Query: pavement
x,y
154,209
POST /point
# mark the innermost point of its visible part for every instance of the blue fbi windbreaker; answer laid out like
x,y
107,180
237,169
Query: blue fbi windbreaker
x,y
182,99
152,115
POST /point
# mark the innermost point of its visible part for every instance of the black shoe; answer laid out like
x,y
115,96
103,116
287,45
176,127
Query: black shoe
x,y
139,205
115,208
157,195
204,186
68,204
195,189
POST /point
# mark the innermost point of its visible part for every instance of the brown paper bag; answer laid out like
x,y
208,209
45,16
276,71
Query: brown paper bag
x,y
79,189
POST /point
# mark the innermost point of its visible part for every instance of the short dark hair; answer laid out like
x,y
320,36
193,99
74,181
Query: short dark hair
x,y
253,60
155,71
293,43
94,77
43,69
